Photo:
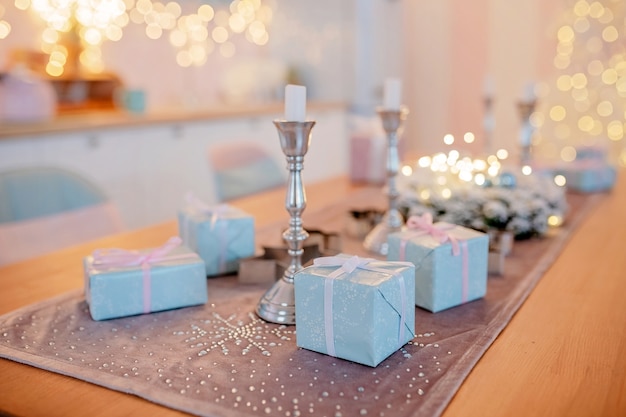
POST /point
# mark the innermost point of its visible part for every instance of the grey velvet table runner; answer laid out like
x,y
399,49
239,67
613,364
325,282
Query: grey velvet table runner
x,y
220,359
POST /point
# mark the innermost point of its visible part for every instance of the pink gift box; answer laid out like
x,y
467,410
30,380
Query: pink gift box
x,y
368,159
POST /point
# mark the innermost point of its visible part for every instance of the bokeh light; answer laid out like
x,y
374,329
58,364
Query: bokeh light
x,y
560,180
193,34
5,27
586,104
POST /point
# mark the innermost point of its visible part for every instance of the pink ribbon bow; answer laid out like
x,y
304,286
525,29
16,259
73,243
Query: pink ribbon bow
x,y
120,258
424,225
195,205
347,266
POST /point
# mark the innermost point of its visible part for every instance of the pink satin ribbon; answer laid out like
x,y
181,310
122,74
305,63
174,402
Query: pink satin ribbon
x,y
198,206
423,225
119,258
195,205
347,266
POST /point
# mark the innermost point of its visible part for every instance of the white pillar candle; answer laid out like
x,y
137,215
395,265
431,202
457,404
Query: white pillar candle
x,y
392,98
489,86
295,103
529,93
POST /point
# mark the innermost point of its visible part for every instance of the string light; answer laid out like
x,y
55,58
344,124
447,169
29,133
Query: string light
x,y
591,58
424,161
5,27
560,180
568,153
527,170
469,137
450,168
555,221
198,34
502,154
83,25
92,21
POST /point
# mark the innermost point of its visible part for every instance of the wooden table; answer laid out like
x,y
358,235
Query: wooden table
x,y
563,354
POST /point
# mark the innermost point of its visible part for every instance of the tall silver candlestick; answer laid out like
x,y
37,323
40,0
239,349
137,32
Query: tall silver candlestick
x,y
392,221
278,304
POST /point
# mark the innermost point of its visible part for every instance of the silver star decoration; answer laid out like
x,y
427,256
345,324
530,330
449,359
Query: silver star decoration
x,y
223,334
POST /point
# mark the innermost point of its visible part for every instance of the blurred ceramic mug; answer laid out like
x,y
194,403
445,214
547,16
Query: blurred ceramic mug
x,y
133,100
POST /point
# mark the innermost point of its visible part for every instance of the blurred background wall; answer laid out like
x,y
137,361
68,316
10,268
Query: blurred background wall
x,y
444,51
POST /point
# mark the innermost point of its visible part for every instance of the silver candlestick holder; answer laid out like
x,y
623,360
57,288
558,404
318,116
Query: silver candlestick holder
x,y
278,304
526,109
392,221
489,124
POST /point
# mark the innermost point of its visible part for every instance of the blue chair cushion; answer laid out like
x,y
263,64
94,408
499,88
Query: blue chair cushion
x,y
35,192
248,179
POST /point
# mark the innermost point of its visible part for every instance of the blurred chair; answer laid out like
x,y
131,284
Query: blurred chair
x,y
243,168
46,208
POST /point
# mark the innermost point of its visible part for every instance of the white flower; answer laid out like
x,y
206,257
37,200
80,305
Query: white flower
x,y
538,206
519,208
519,225
495,210
419,209
478,224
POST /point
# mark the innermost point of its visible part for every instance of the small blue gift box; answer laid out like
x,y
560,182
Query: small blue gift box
x,y
355,308
221,235
451,261
591,152
120,283
588,176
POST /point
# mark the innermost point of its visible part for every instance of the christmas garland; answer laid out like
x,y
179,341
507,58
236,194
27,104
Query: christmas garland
x,y
526,205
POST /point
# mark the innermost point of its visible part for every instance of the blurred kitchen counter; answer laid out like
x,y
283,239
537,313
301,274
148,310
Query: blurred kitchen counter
x,y
146,162
109,119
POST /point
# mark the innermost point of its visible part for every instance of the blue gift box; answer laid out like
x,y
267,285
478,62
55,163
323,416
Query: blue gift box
x,y
588,176
221,235
355,308
120,283
448,271
591,152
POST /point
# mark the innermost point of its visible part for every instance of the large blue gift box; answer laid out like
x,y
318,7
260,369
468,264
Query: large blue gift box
x,y
221,235
355,308
120,283
451,262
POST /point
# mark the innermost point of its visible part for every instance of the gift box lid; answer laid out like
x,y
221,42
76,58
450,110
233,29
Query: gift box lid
x,y
172,253
428,240
369,276
199,211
